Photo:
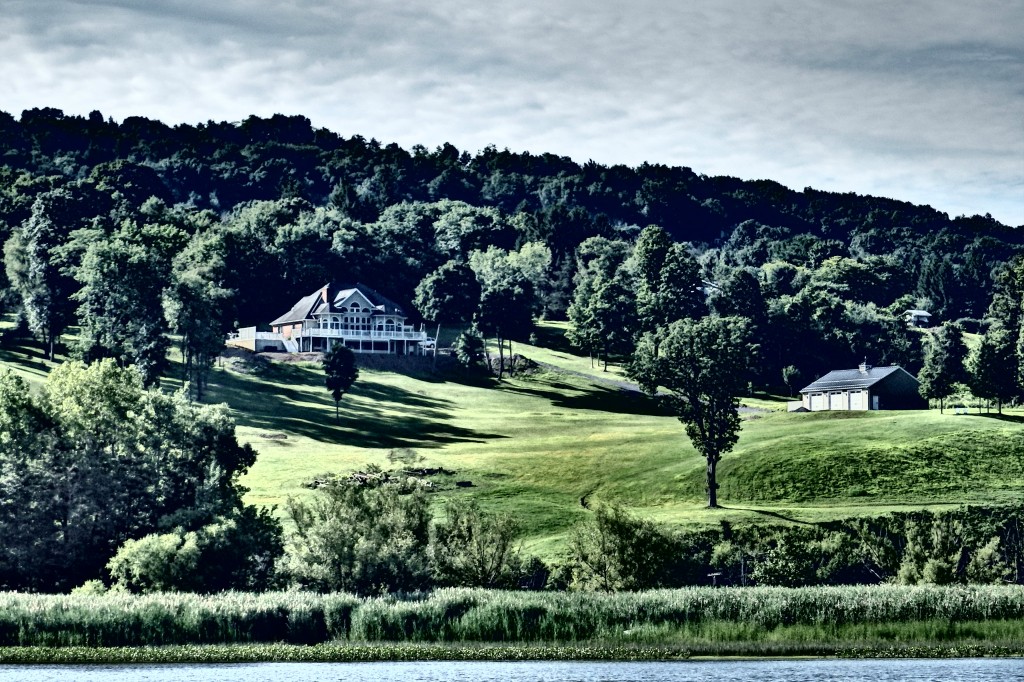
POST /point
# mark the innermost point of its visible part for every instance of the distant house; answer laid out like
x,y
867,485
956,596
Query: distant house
x,y
918,318
864,388
352,314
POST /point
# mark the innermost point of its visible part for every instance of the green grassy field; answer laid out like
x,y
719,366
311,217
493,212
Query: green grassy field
x,y
537,446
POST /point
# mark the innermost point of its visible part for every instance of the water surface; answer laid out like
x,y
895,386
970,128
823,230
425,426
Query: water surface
x,y
945,670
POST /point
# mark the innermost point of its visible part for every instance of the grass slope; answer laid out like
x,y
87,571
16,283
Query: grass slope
x,y
538,446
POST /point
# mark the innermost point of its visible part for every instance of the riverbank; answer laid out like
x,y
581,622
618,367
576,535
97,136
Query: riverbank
x,y
475,624
465,652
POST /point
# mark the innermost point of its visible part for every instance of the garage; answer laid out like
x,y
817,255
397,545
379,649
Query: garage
x,y
858,400
862,389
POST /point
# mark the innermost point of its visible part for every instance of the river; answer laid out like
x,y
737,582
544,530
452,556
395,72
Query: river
x,y
826,670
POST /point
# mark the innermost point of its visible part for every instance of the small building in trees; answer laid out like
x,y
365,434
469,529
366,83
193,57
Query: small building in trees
x,y
918,318
864,388
355,315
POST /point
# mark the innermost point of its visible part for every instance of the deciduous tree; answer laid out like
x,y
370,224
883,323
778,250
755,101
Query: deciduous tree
x,y
703,365
943,369
340,367
35,269
97,460
474,548
364,539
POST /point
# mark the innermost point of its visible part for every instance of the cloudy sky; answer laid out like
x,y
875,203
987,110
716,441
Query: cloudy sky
x,y
920,100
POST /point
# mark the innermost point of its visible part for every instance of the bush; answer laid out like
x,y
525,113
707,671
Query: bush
x,y
361,538
233,554
616,551
469,349
475,549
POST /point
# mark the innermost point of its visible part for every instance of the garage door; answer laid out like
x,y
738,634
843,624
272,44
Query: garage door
x,y
858,400
817,402
837,400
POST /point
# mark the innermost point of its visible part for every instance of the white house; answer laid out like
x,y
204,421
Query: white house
x,y
355,315
864,388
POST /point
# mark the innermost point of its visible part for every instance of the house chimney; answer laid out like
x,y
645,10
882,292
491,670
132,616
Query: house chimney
x,y
864,367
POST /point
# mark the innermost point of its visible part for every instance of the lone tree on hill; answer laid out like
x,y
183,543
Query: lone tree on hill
x,y
704,365
340,367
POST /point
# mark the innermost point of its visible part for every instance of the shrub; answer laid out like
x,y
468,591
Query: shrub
x,y
475,549
361,538
616,551
236,553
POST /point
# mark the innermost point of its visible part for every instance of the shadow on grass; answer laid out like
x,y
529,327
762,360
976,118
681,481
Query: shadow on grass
x,y
772,514
597,398
553,339
1010,418
373,415
22,356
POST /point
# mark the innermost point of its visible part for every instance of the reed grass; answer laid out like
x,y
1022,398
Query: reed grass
x,y
811,617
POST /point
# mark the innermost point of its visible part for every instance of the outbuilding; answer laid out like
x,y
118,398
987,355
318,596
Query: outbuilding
x,y
864,388
917,318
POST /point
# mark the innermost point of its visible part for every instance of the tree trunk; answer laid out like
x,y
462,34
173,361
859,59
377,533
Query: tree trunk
x,y
940,406
511,363
337,412
501,358
712,484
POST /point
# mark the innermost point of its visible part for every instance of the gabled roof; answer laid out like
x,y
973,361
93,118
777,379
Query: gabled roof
x,y
302,310
918,313
338,293
314,303
842,379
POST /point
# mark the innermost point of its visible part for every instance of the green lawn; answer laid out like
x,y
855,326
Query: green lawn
x,y
536,446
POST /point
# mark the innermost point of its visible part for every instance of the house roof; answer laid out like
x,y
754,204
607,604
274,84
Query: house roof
x,y
314,303
918,313
302,310
842,379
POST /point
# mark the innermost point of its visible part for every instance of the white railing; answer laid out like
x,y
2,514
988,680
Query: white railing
x,y
247,333
404,334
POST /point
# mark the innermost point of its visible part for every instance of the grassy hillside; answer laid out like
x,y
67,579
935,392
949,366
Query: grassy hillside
x,y
538,446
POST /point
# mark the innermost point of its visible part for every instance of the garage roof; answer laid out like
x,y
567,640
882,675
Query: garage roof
x,y
844,379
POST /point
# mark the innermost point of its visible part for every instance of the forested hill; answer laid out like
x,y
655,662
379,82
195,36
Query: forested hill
x,y
280,207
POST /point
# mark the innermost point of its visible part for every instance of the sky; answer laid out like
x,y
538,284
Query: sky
x,y
918,100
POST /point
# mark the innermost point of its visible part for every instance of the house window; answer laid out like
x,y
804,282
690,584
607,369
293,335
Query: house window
x,y
335,323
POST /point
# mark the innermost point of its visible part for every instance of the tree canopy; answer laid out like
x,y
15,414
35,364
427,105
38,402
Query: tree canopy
x,y
703,366
97,460
340,367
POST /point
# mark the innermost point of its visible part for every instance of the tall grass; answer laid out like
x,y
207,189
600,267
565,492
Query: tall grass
x,y
694,617
127,620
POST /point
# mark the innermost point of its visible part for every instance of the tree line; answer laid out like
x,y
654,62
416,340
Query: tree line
x,y
129,230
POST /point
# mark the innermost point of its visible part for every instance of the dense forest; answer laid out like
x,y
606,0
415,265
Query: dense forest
x,y
135,233
126,228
